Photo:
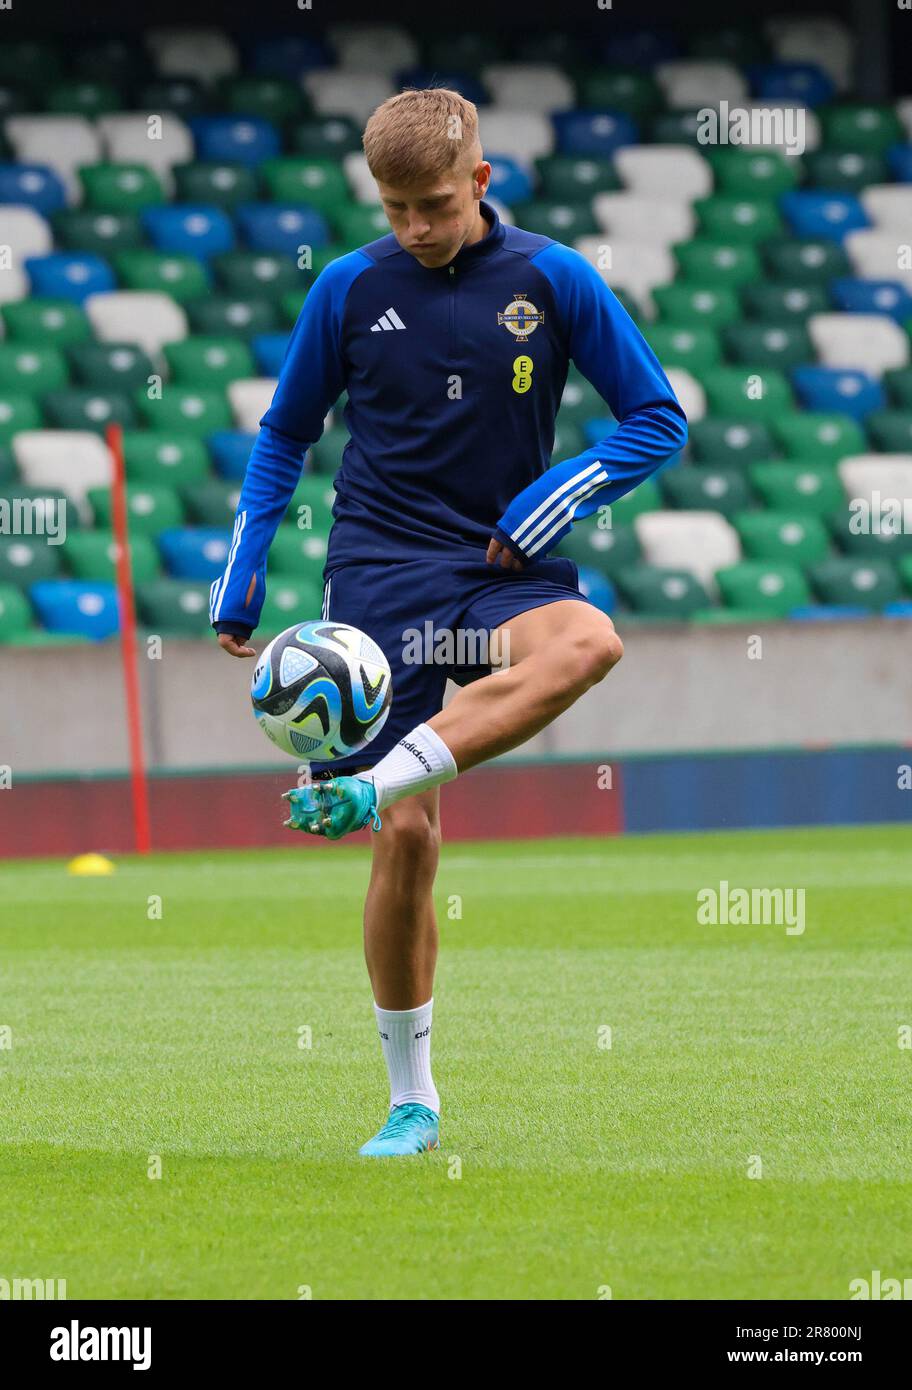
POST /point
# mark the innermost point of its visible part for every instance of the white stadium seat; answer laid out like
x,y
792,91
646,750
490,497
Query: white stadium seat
x,y
146,318
654,221
889,206
360,179
130,139
339,92
529,86
14,285
701,542
688,84
664,171
206,54
811,39
520,135
383,48
63,143
67,461
249,399
872,343
690,393
633,267
878,255
25,232
889,474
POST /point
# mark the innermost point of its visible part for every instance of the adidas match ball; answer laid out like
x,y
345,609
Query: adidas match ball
x,y
321,690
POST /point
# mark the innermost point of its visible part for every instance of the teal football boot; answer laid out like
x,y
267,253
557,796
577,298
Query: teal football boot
x,y
333,808
410,1129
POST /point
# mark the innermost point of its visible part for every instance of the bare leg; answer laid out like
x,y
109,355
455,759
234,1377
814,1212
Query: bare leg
x,y
400,927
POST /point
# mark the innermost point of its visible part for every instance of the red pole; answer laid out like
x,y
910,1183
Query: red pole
x,y
139,789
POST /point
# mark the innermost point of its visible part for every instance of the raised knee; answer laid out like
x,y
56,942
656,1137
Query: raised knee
x,y
592,654
410,832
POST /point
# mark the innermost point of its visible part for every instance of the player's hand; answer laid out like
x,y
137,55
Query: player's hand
x,y
234,645
508,560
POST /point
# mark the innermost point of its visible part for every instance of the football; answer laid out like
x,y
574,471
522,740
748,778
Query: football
x,y
321,690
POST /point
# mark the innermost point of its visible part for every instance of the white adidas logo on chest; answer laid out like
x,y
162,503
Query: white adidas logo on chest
x,y
387,322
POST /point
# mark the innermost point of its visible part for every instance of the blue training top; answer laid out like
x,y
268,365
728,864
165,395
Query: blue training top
x,y
454,376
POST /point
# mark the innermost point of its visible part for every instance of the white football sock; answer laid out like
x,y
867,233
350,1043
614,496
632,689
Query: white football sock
x,y
419,761
405,1036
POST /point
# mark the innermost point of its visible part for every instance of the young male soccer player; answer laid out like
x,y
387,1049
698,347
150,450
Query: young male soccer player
x,y
452,337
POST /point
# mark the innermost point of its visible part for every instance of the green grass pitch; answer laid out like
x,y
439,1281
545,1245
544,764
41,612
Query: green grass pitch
x,y
565,1166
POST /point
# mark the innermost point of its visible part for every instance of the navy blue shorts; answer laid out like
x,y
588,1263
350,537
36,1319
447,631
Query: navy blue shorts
x,y
410,606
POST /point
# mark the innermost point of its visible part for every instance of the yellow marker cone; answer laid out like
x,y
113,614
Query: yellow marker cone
x,y
87,864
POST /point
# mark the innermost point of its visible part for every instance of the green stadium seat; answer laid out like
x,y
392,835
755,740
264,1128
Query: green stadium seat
x,y
717,263
15,612
174,607
724,490
845,171
694,306
159,456
150,508
26,559
186,410
259,275
898,384
221,185
603,548
858,582
645,498
763,174
8,470
320,183
120,365
357,224
904,569
27,369
768,345
325,137
120,187
31,63
580,401
784,303
662,593
209,362
211,502
860,127
620,89
571,179
789,537
569,439
738,393
18,412
677,128
184,96
691,348
291,305
82,97
91,555
311,504
182,277
878,545
807,489
97,233
216,315
298,553
805,262
289,601
817,435
326,454
562,220
47,322
890,430
274,99
737,221
730,442
763,587
87,409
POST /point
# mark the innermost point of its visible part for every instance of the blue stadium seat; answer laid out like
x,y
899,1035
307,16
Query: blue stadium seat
x,y
872,297
831,216
230,450
194,552
69,275
235,139
510,182
899,608
900,159
32,185
593,133
597,589
281,227
831,389
288,57
269,351
69,605
189,229
804,82
641,48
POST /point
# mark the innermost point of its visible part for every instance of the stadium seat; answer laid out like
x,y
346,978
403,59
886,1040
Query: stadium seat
x,y
597,588
889,475
879,536
701,542
867,583
126,141
298,553
370,48
208,361
195,552
521,135
230,450
824,437
183,96
724,443
72,605
69,275
162,457
753,174
636,94
84,409
61,143
356,225
181,277
563,221
859,126
25,232
249,401
593,134
149,320
689,391
528,86
768,345
871,343
26,559
217,315
282,228
269,350
813,213
288,56
635,269
15,613
607,549
68,461
30,369
689,305
273,99
92,555
789,537
717,263
32,186
120,366
215,183
208,53
18,411
191,230
725,490
664,171
737,220
45,322
763,587
899,387
250,273
662,593
150,508
692,349
652,220
688,83
805,489
120,188
326,454
185,409
738,393
800,82
782,304
174,607
231,139
867,297
329,137
838,389
814,39
844,171
890,430
809,262
210,503
565,178
337,91
873,255
97,233
287,601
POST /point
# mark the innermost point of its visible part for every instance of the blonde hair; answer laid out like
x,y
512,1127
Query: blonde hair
x,y
421,134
